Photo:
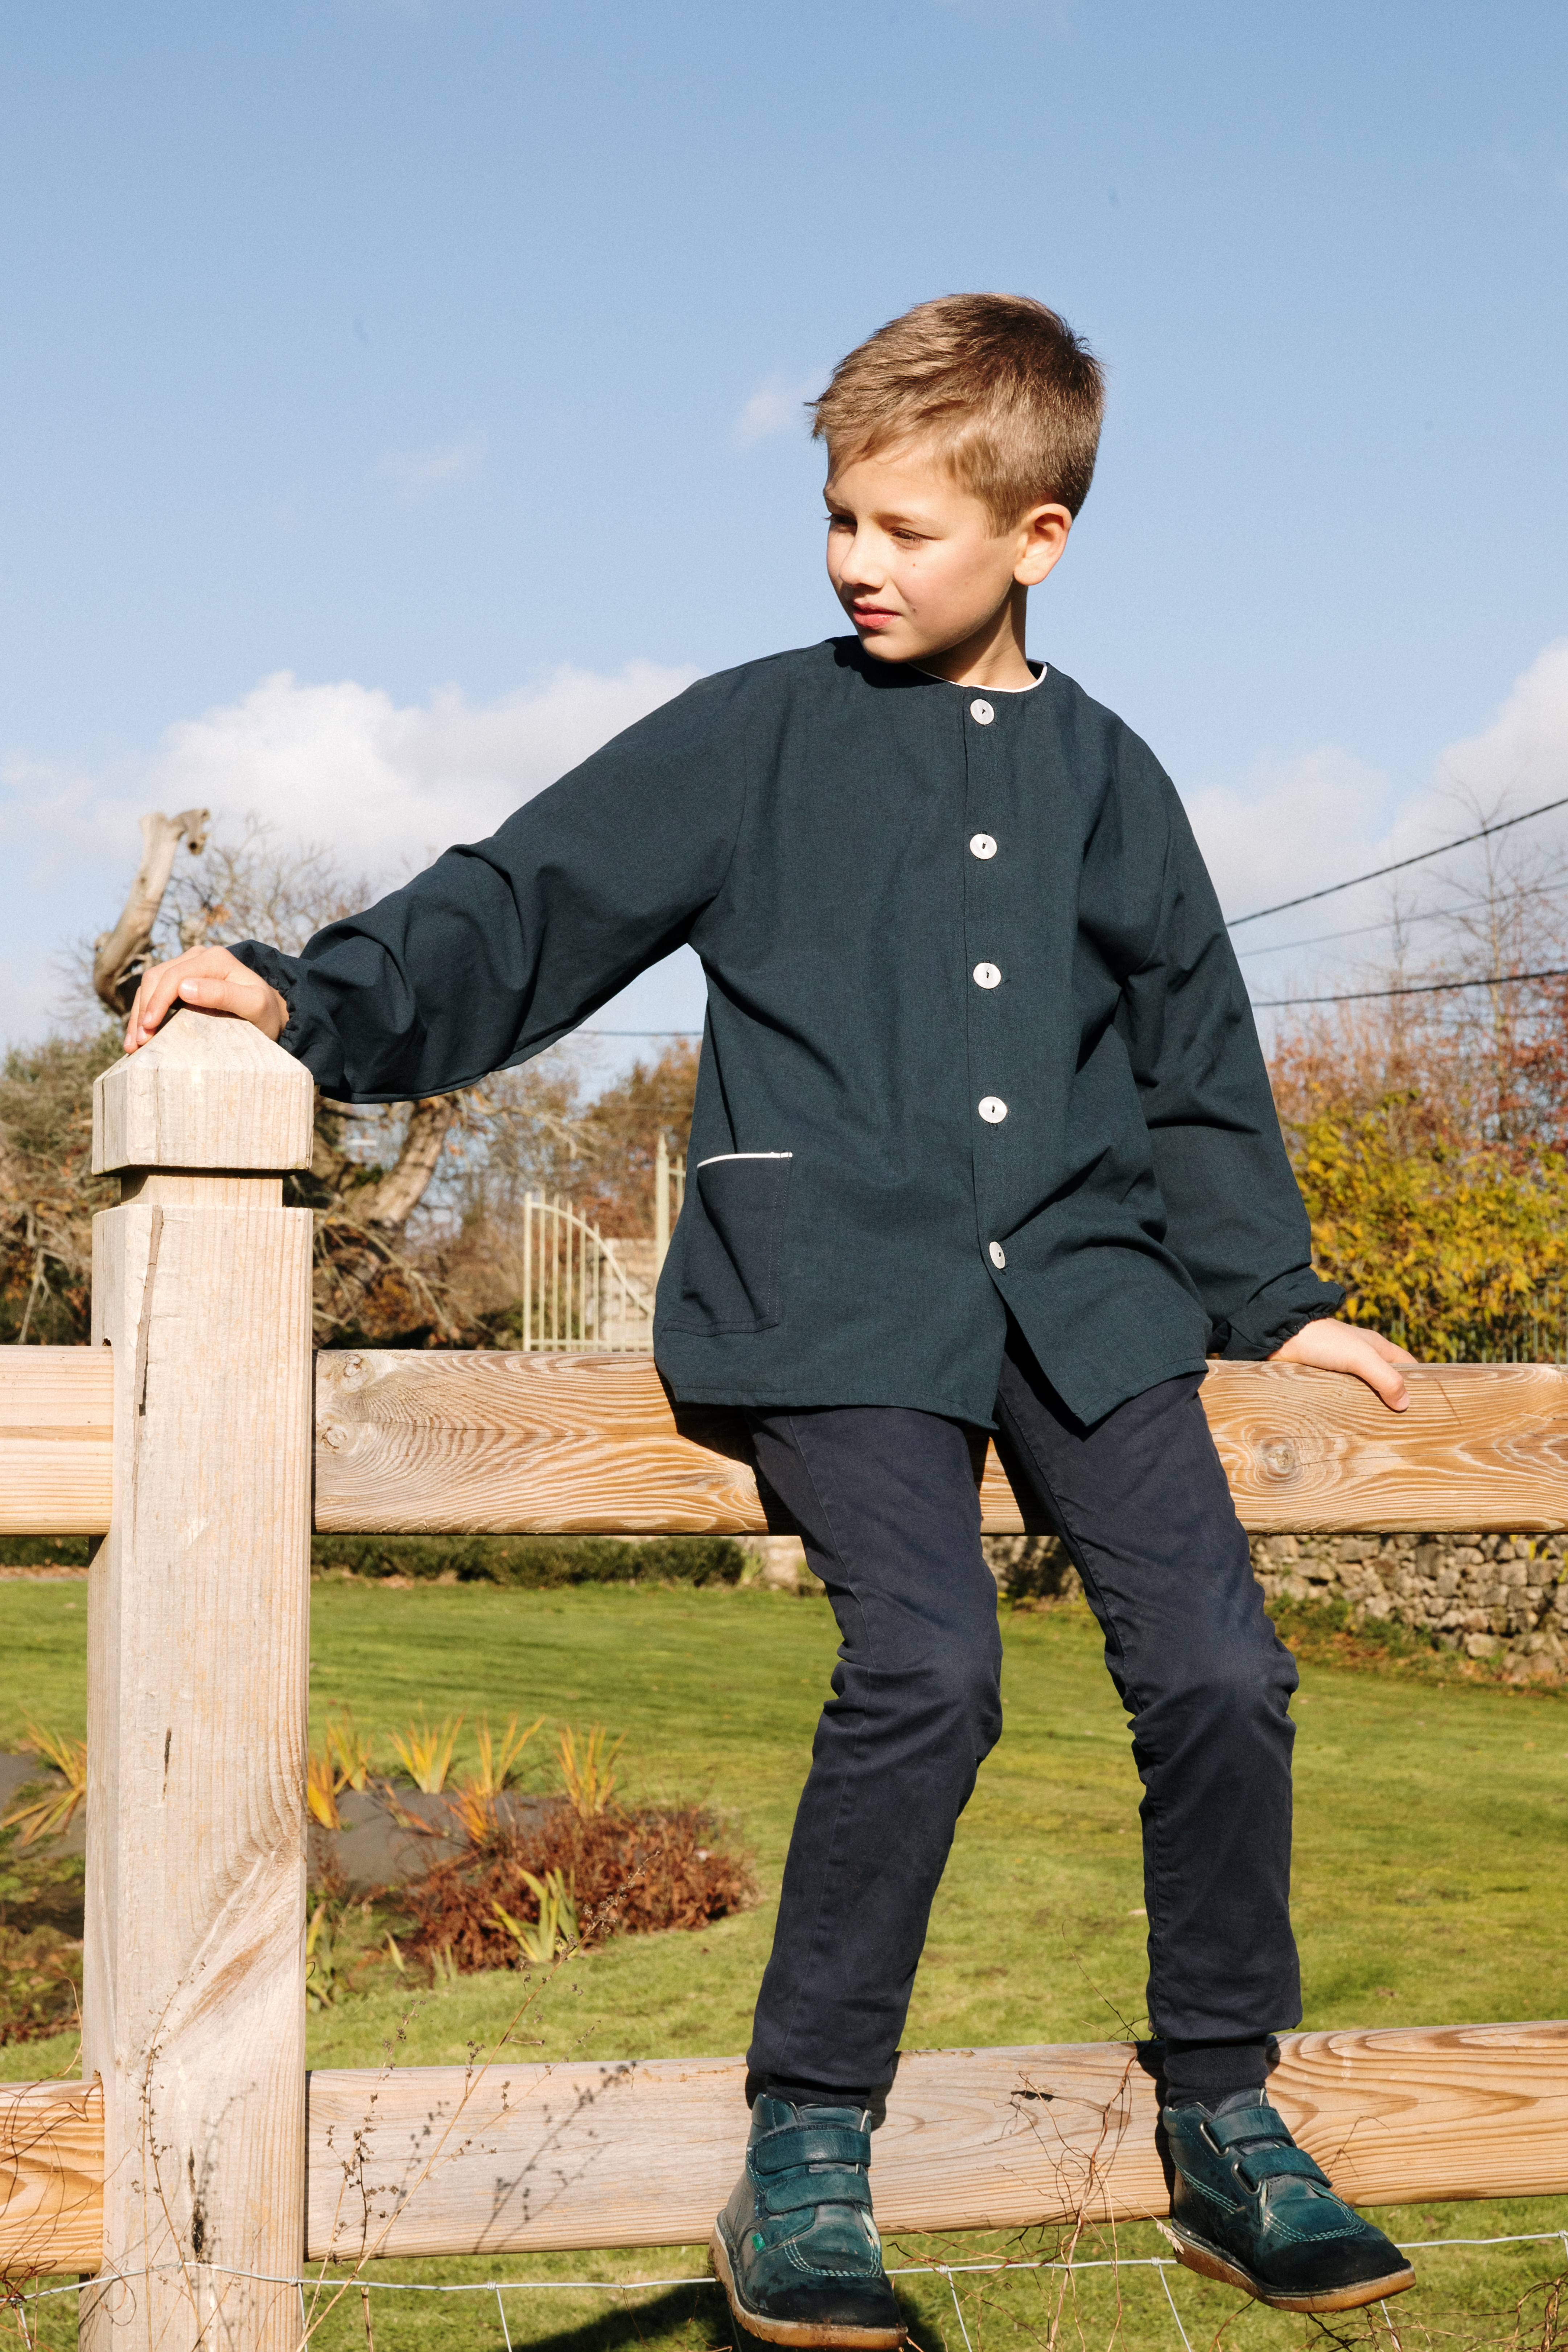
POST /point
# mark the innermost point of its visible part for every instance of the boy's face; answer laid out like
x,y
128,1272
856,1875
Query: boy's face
x,y
917,562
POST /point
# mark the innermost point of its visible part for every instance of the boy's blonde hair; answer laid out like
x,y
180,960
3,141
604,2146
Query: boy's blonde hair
x,y
1010,397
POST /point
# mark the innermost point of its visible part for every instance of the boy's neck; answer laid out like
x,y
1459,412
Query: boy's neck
x,y
994,655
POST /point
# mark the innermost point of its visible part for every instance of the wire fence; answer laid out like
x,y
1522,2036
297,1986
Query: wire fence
x,y
341,2279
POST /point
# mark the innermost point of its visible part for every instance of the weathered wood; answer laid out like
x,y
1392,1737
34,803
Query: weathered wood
x,y
51,2178
495,1444
591,1443
433,2160
194,1998
182,1103
56,1424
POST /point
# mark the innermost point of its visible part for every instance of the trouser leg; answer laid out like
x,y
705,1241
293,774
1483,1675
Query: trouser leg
x,y
885,1500
1142,1504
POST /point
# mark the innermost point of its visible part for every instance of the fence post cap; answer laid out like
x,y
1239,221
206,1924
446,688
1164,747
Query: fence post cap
x,y
207,1091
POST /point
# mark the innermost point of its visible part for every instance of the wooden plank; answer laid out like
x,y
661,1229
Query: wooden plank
x,y
194,2000
501,1443
438,2160
592,1444
57,1427
1482,1446
51,2178
426,2161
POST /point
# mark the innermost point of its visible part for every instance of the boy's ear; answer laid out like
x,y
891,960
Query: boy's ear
x,y
1042,536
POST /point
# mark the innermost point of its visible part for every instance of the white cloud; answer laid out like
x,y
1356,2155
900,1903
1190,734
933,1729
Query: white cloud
x,y
418,472
1291,827
1316,821
383,784
775,406
1312,821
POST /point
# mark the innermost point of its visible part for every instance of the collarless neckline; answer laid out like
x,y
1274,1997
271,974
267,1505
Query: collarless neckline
x,y
937,679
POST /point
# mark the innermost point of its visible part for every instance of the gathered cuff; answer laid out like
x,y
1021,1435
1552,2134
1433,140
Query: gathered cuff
x,y
279,972
1236,1344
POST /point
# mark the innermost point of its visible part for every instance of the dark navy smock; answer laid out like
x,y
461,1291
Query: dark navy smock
x,y
975,1040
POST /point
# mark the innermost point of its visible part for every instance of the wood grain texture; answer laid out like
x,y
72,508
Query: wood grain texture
x,y
51,2178
194,2007
205,1093
1482,1446
57,1427
505,1443
437,2160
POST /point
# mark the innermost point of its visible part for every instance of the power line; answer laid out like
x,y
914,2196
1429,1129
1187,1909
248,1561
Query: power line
x,y
1389,922
1424,988
1399,864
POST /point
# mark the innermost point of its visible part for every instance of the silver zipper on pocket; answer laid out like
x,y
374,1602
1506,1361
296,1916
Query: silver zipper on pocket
x,y
743,1155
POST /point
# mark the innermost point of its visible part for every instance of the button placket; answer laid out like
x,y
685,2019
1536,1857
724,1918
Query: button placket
x,y
984,744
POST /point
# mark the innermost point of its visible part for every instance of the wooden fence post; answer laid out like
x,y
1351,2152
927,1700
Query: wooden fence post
x,y
198,1644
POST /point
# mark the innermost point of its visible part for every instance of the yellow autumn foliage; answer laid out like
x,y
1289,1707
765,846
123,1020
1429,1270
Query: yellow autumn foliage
x,y
1456,1247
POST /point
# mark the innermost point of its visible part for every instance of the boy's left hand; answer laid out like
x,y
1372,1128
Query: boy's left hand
x,y
1336,1346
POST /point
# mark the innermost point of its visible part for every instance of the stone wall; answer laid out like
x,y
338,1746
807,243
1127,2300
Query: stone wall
x,y
1499,1598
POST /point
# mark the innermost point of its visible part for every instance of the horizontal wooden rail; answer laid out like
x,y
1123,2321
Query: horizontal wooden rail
x,y
56,1441
498,1443
535,2159
591,1443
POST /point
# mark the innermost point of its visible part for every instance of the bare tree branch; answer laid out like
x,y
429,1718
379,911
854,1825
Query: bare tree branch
x,y
119,955
391,1202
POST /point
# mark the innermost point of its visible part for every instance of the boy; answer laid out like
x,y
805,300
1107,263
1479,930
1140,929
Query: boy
x,y
983,1139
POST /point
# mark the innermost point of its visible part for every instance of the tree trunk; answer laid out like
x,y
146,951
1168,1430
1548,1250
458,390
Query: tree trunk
x,y
120,956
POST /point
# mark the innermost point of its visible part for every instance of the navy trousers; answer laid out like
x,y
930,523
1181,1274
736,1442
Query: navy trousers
x,y
885,1500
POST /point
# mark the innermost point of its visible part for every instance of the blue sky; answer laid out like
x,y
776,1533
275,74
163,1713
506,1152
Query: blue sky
x,y
398,398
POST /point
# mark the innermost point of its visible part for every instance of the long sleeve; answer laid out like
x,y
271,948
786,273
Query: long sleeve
x,y
1236,1220
504,945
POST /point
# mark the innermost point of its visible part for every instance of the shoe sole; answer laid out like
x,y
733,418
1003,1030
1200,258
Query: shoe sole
x,y
1194,2255
808,2332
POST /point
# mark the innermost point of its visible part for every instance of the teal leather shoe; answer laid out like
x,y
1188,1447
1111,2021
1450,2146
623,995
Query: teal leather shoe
x,y
796,2248
1251,2208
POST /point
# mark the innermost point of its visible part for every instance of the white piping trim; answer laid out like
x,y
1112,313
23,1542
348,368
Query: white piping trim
x,y
716,1156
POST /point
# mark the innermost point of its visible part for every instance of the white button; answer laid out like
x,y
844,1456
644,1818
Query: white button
x,y
986,975
992,1109
982,846
982,713
998,1257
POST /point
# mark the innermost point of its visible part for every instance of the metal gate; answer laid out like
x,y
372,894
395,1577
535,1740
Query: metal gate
x,y
579,1293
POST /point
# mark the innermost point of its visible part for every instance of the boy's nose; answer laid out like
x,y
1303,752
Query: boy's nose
x,y
860,567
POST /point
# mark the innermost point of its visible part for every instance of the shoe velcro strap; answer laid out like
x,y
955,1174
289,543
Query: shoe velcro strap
x,y
792,2193
1246,2123
1275,2163
797,2144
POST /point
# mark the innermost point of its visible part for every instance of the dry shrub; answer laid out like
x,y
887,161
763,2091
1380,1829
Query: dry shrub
x,y
40,1983
629,1872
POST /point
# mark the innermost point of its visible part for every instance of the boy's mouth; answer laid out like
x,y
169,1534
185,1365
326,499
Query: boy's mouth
x,y
871,616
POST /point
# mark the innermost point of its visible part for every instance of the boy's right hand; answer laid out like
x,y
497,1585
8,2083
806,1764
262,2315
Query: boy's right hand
x,y
212,979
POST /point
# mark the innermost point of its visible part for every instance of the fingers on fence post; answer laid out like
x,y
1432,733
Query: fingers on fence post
x,y
198,1599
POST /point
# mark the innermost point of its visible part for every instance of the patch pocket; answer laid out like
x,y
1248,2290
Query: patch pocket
x,y
733,1247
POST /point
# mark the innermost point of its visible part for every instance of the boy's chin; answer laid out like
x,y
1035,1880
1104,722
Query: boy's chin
x,y
884,647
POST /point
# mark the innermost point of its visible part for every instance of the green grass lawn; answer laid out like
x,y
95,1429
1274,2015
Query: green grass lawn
x,y
1429,1867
